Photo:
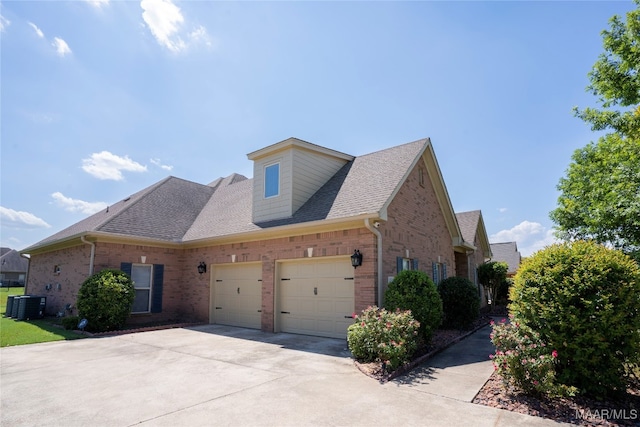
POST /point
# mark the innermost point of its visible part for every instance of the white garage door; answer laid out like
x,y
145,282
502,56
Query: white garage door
x,y
316,297
237,295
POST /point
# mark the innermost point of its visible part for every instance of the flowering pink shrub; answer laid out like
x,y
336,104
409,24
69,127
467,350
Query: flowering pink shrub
x,y
389,337
524,360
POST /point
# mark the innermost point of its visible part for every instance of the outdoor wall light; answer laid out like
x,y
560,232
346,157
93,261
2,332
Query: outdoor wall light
x,y
202,267
356,259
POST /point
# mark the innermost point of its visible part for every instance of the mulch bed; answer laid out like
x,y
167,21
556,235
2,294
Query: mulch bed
x,y
579,410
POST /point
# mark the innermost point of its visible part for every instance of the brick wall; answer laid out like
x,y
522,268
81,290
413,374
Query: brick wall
x,y
334,243
416,223
58,275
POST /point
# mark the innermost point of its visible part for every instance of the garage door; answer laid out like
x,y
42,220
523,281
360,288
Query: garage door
x,y
237,295
316,297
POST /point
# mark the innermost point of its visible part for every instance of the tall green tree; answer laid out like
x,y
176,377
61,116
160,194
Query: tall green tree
x,y
615,79
600,195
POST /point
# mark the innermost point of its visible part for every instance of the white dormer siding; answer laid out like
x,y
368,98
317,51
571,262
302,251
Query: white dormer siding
x,y
303,168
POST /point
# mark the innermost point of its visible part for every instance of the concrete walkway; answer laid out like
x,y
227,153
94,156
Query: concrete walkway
x,y
458,372
221,376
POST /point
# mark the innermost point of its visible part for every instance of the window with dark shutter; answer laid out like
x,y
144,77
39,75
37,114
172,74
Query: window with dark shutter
x,y
156,294
148,283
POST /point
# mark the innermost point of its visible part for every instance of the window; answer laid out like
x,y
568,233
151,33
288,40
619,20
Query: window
x,y
406,264
141,276
421,177
439,272
272,180
148,280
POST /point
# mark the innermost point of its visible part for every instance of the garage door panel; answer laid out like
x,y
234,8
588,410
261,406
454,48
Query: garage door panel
x,y
315,297
238,295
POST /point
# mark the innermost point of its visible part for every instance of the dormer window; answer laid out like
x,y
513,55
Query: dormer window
x,y
272,180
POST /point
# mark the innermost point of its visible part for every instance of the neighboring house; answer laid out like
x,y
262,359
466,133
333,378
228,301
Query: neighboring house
x,y
507,252
473,232
13,268
272,252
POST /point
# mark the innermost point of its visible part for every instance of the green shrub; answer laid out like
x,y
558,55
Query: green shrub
x,y
525,361
502,293
70,322
105,300
413,290
460,302
384,336
584,300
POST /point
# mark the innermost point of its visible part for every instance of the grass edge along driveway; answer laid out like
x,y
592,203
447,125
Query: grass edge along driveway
x,y
20,332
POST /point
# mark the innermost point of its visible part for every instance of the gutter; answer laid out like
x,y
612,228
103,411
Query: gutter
x,y
374,230
93,253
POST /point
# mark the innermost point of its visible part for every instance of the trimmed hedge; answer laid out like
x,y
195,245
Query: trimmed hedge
x,y
584,300
413,290
105,300
460,302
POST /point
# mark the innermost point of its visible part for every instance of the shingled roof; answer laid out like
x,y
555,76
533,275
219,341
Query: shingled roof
x,y
11,261
176,210
229,209
471,223
507,252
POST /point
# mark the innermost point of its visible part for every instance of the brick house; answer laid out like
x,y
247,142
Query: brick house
x,y
508,253
13,268
474,232
272,252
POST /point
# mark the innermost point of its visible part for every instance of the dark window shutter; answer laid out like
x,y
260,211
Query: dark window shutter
x,y
399,263
126,267
434,266
414,264
156,290
444,271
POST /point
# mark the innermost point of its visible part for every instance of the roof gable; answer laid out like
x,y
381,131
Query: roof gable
x,y
179,211
507,252
12,261
474,231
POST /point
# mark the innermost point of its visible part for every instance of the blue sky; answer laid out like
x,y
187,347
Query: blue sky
x,y
100,99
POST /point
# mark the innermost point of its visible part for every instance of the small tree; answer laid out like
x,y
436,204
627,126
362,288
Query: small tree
x,y
105,300
492,274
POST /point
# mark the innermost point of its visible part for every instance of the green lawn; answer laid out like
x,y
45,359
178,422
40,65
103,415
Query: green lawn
x,y
14,332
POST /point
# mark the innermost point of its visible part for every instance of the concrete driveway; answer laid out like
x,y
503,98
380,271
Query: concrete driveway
x,y
223,376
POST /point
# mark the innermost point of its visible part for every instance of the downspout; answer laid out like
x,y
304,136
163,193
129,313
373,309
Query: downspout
x,y
93,253
375,231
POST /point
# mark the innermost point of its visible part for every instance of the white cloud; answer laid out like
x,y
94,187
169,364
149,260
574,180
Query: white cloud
x,y
4,23
200,35
165,21
529,236
75,205
36,29
158,163
105,165
502,210
98,3
62,48
19,219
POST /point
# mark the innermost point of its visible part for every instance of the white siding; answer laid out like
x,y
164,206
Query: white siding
x,y
302,173
273,207
310,172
